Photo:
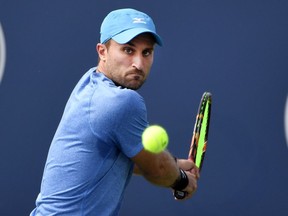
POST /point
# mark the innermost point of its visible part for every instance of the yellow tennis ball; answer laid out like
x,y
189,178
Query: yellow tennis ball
x,y
155,139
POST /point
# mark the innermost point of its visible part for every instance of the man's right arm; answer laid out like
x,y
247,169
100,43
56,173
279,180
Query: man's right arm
x,y
162,170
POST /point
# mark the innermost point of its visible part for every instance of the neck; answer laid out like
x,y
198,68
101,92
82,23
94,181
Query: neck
x,y
101,69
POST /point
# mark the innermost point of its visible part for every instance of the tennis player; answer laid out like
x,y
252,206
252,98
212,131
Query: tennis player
x,y
97,145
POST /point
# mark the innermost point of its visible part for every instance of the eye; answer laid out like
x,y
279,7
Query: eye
x,y
128,50
147,52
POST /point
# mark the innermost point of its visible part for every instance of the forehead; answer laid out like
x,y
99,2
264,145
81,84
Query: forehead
x,y
145,37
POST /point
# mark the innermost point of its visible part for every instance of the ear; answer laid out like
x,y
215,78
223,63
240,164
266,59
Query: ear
x,y
101,50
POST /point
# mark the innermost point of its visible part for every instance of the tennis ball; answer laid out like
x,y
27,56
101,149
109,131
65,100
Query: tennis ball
x,y
155,139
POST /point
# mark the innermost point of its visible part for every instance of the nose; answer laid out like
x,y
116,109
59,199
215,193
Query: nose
x,y
138,62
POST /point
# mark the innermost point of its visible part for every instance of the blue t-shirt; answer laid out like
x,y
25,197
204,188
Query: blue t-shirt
x,y
88,164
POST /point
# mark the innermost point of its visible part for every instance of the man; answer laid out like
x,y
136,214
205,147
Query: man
x,y
97,145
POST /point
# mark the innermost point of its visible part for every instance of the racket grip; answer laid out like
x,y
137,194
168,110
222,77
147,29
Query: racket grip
x,y
179,194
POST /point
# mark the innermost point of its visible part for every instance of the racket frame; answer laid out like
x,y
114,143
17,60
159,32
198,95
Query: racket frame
x,y
195,154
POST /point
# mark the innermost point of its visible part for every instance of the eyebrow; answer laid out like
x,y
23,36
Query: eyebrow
x,y
133,45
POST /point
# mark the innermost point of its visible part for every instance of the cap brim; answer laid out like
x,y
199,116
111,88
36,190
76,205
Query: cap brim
x,y
128,35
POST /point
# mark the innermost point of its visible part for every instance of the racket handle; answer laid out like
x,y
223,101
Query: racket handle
x,y
179,194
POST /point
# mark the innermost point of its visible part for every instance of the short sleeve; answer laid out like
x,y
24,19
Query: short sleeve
x,y
132,120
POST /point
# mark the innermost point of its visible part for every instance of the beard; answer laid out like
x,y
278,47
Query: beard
x,y
133,79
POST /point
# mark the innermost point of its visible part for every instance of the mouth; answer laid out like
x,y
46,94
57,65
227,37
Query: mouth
x,y
136,75
135,79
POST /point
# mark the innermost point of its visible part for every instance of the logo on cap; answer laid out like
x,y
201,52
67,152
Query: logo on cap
x,y
139,20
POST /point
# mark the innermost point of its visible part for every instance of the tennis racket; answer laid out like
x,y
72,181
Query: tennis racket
x,y
200,136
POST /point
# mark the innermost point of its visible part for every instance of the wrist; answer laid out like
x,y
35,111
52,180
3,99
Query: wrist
x,y
181,182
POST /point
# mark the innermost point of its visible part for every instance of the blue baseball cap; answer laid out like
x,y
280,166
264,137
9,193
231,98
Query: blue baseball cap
x,y
123,25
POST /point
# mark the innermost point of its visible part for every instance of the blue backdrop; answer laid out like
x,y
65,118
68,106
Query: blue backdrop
x,y
235,49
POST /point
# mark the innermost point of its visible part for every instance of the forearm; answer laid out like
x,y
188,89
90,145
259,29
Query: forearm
x,y
166,174
160,169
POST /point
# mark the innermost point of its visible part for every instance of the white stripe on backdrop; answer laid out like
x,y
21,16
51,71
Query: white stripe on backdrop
x,y
286,120
2,53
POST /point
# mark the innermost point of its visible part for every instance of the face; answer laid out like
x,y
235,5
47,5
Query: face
x,y
128,65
